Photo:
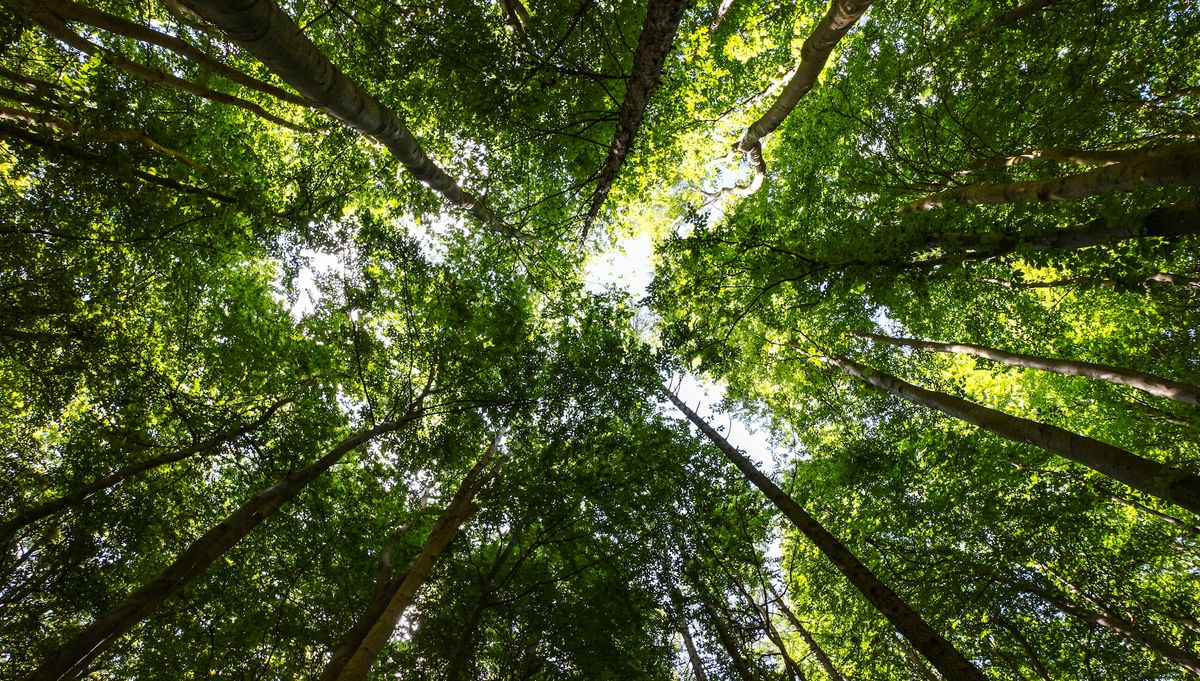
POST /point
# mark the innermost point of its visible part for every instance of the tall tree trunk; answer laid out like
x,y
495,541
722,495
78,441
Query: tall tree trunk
x,y
818,652
654,43
1169,484
71,659
462,649
1116,624
1157,278
1155,385
682,625
72,11
929,642
838,20
353,663
1168,222
1061,154
726,640
1173,166
49,508
1022,11
1030,652
261,28
57,27
794,669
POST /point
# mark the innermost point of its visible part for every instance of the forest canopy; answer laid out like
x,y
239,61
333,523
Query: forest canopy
x,y
312,366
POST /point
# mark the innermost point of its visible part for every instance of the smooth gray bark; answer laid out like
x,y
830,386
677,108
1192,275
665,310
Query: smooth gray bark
x,y
1169,484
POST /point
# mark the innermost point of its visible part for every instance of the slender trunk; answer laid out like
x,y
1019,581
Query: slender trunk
x,y
1156,278
78,496
11,132
1173,166
462,649
719,18
378,626
57,27
657,36
1169,484
726,640
772,633
72,11
261,28
838,20
907,621
1116,624
682,625
70,661
1062,155
1169,222
794,671
818,652
1012,16
1030,652
1155,385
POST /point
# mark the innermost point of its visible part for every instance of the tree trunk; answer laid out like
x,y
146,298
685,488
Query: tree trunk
x,y
49,508
1155,385
794,670
72,11
261,28
1012,16
838,20
1156,278
688,643
1062,155
818,652
57,27
71,659
654,43
462,649
1030,652
377,627
723,636
1168,222
1173,166
1116,624
931,644
1169,484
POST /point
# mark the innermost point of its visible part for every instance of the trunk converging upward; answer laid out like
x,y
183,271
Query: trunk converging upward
x,y
1169,484
264,30
907,621
658,34
70,661
836,23
1155,385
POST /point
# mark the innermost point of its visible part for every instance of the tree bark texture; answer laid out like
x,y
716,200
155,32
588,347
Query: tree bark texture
x,y
682,625
1155,385
56,26
378,627
654,43
727,642
264,30
939,651
72,11
837,22
1117,624
78,496
71,659
1169,484
1175,166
